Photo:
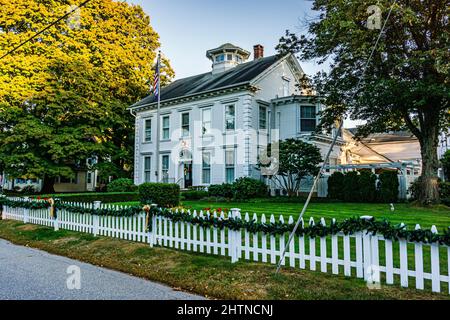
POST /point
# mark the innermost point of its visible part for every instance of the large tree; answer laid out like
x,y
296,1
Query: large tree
x,y
291,161
64,95
407,81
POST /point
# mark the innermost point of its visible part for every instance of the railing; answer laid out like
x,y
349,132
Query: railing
x,y
362,254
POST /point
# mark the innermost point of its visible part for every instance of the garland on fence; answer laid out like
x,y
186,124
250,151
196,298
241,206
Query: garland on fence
x,y
347,226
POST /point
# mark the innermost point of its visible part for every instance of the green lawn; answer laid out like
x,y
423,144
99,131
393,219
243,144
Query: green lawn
x,y
406,213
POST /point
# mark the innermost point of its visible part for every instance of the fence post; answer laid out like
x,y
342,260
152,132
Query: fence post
x,y
152,232
4,212
235,239
367,252
26,212
96,219
55,220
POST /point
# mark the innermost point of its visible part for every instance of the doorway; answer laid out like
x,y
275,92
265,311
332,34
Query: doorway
x,y
188,175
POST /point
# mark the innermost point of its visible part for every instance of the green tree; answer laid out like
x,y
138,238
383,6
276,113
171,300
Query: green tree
x,y
64,95
407,81
295,160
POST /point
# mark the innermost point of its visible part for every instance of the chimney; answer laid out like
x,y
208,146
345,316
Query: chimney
x,y
258,51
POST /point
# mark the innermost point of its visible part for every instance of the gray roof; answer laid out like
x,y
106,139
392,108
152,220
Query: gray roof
x,y
393,136
240,75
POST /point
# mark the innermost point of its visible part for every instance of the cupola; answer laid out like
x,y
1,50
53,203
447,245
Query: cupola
x,y
226,57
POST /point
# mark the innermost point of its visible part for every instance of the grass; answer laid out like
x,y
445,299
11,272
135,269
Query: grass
x,y
406,213
207,275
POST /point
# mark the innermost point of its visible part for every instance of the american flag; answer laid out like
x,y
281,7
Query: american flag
x,y
156,80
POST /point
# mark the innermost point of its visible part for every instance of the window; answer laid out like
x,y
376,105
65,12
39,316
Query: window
x,y
147,169
89,177
165,168
230,119
68,180
229,166
308,118
185,124
148,130
166,128
286,89
206,121
206,168
229,57
262,117
220,58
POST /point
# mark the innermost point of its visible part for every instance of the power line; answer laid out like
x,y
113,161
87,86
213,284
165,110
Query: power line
x,y
45,29
316,180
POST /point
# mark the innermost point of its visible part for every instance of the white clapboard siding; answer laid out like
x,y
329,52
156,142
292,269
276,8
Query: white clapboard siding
x,y
261,247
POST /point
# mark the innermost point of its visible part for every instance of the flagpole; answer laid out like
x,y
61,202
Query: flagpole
x,y
157,118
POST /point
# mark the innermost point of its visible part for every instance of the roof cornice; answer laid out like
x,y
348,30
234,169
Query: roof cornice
x,y
197,96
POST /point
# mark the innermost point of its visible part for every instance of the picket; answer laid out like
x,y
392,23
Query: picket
x,y
435,267
418,257
258,246
312,249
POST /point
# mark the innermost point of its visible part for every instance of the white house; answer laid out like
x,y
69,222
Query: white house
x,y
214,125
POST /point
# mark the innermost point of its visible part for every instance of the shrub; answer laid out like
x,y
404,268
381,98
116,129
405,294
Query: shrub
x,y
336,186
248,188
121,185
351,189
224,190
194,195
90,197
28,190
388,187
367,186
444,190
414,189
162,194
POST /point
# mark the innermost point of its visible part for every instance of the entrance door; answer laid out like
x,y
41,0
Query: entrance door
x,y
187,175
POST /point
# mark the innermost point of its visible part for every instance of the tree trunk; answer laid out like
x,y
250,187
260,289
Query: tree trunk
x,y
429,193
48,186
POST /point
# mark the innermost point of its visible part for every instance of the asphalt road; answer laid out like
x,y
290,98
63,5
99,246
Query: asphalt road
x,y
30,274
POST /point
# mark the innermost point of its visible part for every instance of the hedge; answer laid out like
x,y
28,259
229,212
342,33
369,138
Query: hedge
x,y
248,188
336,186
242,189
105,197
121,185
355,186
224,190
194,195
162,194
388,187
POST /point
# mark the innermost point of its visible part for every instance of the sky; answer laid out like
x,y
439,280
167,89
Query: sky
x,y
188,28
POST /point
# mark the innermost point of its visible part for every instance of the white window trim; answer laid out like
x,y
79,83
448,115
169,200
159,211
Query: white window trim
x,y
203,120
225,163
144,171
162,127
203,168
225,117
181,124
259,117
145,130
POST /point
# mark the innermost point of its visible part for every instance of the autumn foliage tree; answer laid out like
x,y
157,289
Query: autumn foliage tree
x,y
407,83
64,95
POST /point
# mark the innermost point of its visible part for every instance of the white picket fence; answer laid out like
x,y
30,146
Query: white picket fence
x,y
362,254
